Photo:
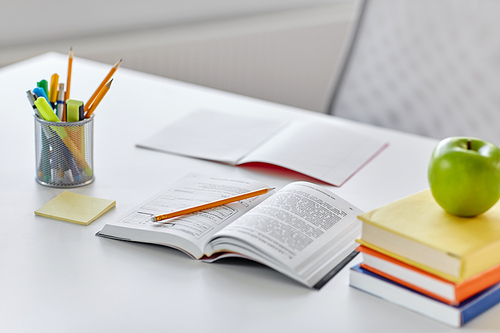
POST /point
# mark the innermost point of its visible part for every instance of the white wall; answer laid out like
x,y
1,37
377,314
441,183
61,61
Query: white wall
x,y
279,50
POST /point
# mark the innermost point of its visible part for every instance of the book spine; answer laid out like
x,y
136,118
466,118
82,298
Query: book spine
x,y
488,298
477,283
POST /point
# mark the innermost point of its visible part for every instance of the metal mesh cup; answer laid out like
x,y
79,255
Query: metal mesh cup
x,y
64,152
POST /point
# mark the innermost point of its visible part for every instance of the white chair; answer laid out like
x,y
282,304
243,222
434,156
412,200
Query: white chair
x,y
430,67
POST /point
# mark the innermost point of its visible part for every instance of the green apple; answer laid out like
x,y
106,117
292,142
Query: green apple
x,y
464,175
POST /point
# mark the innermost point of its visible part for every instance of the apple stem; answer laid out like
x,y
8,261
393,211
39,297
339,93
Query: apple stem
x,y
469,147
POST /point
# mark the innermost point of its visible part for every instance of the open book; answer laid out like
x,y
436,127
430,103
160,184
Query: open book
x,y
302,230
320,149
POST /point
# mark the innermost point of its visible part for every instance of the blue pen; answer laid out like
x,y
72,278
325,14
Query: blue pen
x,y
40,93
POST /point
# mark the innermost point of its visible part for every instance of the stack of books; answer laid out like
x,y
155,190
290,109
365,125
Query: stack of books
x,y
420,257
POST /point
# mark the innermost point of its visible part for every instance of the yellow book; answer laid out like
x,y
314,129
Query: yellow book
x,y
75,208
416,230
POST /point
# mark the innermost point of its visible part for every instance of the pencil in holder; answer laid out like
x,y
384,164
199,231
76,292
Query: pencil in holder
x,y
64,152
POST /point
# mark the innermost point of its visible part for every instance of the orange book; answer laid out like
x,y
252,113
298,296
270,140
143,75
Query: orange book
x,y
424,282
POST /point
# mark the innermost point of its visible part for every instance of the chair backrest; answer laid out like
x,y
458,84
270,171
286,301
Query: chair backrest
x,y
430,67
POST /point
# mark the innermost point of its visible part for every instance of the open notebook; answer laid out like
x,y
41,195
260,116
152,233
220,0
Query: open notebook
x,y
322,150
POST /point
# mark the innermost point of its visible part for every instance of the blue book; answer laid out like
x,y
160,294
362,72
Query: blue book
x,y
453,315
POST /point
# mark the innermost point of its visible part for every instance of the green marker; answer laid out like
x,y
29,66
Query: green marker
x,y
45,85
73,110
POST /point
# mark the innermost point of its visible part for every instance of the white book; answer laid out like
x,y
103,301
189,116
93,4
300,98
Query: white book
x,y
303,230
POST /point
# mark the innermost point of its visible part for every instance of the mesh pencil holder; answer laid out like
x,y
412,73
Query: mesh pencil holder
x,y
64,152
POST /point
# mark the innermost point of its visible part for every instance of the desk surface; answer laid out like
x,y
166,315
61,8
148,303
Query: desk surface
x,y
59,277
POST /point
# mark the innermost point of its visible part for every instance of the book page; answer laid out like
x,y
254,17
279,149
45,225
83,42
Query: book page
x,y
321,150
194,229
212,135
299,226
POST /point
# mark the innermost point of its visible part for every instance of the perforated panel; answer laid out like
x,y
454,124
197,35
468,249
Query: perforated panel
x,y
430,67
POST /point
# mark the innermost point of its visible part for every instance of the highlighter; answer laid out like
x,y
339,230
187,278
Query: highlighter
x,y
73,110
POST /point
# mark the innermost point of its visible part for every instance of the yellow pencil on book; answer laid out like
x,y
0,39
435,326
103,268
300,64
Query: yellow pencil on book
x,y
211,204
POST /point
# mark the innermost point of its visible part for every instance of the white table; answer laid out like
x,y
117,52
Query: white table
x,y
59,277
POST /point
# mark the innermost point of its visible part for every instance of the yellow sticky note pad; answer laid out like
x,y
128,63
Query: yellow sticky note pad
x,y
76,208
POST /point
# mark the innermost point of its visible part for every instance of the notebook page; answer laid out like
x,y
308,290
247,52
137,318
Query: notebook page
x,y
321,150
213,135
